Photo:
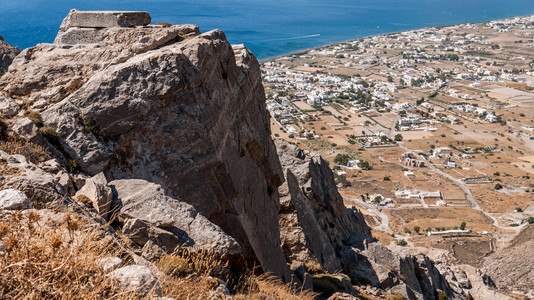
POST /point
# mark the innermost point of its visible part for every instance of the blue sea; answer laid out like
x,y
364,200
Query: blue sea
x,y
268,28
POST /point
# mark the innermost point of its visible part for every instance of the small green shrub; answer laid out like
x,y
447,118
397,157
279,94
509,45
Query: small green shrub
x,y
164,24
441,295
90,126
50,134
327,285
73,165
35,116
402,243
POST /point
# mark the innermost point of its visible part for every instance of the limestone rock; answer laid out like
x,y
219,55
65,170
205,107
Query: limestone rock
x,y
27,130
49,72
104,19
138,279
310,196
41,187
511,267
7,54
12,199
8,107
186,113
109,264
166,221
98,192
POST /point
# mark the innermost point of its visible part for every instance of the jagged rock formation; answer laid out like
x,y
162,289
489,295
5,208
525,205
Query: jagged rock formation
x,y
159,224
7,54
169,105
511,268
313,209
316,225
170,126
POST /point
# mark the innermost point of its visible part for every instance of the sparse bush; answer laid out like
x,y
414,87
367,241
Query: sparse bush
x,y
50,134
164,24
35,116
342,159
441,295
498,186
73,165
402,242
89,125
313,267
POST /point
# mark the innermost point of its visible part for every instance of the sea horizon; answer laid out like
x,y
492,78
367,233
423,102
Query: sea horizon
x,y
268,28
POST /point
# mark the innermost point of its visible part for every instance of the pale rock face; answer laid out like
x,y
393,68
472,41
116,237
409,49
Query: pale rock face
x,y
181,109
310,202
41,187
8,107
99,193
511,267
109,264
12,199
7,54
104,19
138,279
27,130
166,222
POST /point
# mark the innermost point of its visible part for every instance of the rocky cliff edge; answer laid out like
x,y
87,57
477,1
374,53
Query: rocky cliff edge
x,y
163,131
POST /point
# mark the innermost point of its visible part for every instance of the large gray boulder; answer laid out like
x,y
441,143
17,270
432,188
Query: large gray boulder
x,y
98,192
43,188
150,216
12,199
173,107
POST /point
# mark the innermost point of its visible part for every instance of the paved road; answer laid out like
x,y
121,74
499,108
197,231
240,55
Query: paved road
x,y
470,197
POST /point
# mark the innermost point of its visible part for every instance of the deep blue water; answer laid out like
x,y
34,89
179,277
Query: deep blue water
x,y
268,28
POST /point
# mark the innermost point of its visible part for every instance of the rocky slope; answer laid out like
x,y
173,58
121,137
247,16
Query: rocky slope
x,y
7,54
316,225
168,105
164,131
511,267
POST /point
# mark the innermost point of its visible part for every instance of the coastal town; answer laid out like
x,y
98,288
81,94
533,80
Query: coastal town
x,y
429,132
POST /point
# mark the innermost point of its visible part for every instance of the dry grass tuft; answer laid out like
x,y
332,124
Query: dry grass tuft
x,y
44,255
313,267
35,116
269,287
52,261
85,201
32,152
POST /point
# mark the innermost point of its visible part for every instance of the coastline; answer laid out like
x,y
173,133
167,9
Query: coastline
x,y
392,32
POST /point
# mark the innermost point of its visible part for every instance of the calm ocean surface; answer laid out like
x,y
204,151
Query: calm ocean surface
x,y
268,28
